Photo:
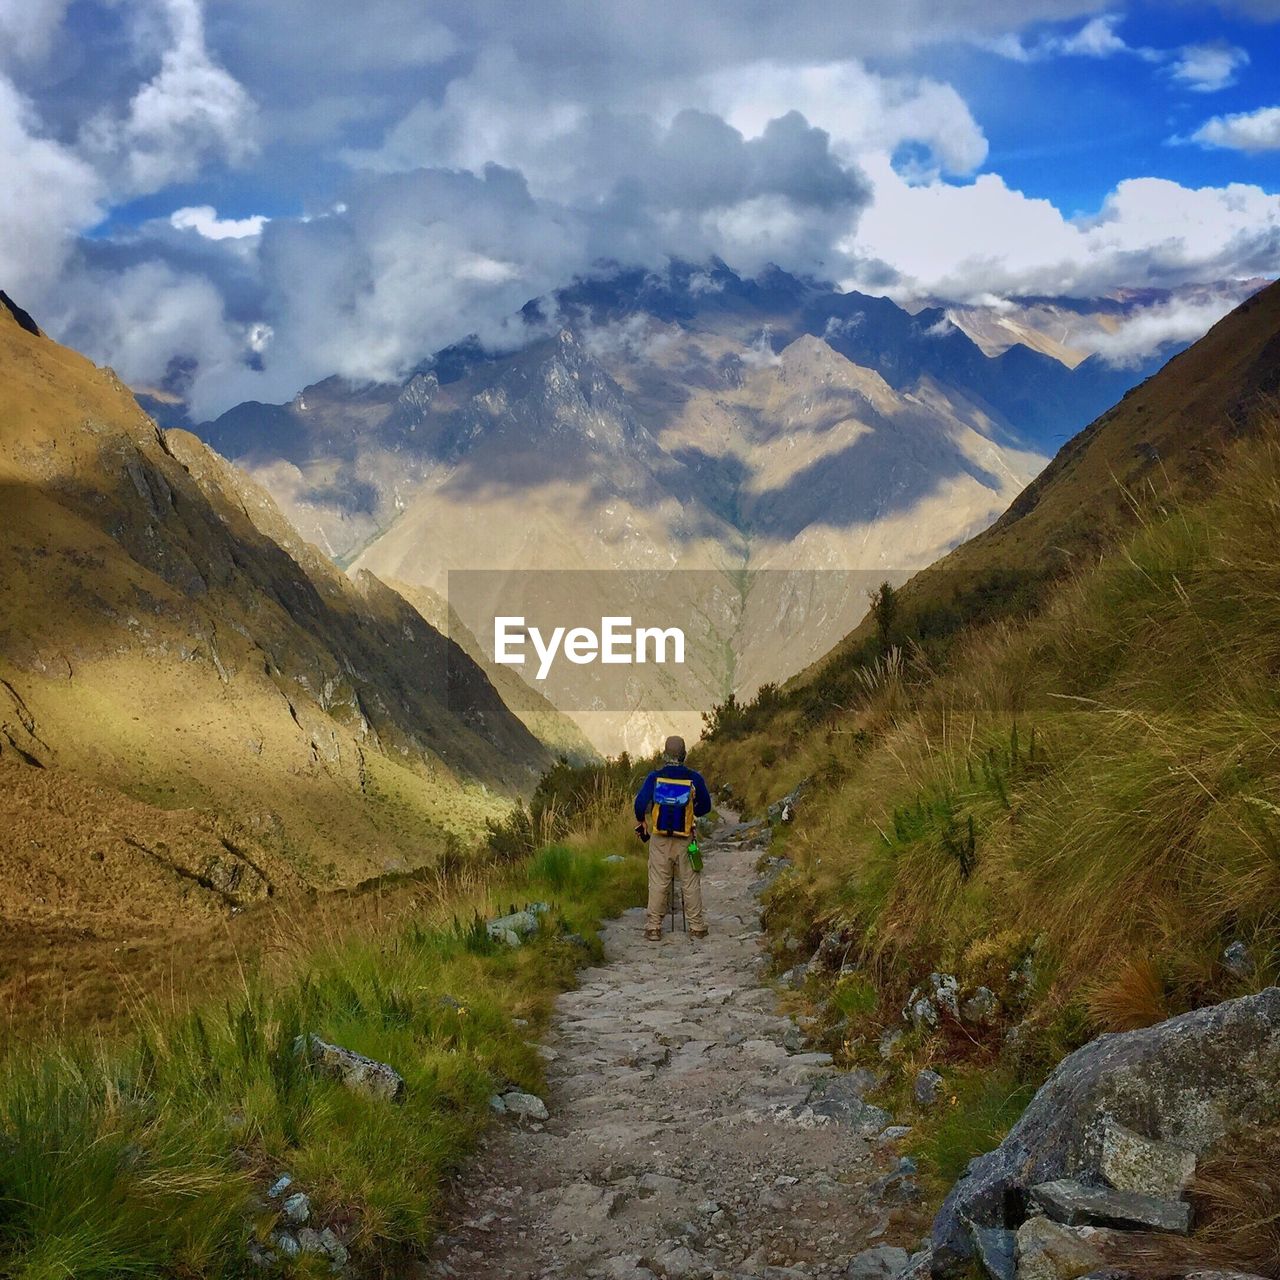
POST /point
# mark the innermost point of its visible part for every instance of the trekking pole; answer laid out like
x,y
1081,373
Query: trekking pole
x,y
671,897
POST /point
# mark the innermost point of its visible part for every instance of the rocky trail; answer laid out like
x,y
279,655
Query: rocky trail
x,y
688,1134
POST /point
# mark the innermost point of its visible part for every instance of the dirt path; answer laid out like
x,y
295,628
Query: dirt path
x,y
684,1140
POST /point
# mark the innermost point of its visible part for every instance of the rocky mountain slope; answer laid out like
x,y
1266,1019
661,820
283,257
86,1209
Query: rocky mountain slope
x,y
1160,441
197,709
693,421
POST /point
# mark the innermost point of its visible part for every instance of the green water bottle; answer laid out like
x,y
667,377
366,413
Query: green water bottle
x,y
695,854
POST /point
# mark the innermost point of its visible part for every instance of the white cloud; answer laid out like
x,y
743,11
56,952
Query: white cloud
x,y
1097,38
48,196
861,110
965,242
193,110
1245,131
1148,329
414,262
138,318
27,28
203,220
1206,68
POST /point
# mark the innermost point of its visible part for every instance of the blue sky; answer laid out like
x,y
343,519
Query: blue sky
x,y
264,192
1070,128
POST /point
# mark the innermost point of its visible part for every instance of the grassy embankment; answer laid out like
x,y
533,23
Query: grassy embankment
x,y
149,1153
1079,810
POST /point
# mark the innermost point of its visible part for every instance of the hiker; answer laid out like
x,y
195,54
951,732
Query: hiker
x,y
666,808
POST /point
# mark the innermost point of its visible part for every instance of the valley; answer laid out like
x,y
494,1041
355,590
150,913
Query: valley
x,y
771,442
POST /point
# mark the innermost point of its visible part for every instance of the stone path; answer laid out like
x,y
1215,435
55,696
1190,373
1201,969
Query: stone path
x,y
684,1140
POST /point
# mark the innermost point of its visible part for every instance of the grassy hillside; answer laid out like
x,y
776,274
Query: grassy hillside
x,y
1070,793
152,1154
1098,787
198,712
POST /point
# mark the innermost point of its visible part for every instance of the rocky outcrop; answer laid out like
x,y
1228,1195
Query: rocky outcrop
x,y
1135,1108
353,1070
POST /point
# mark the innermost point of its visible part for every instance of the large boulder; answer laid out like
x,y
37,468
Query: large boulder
x,y
1188,1082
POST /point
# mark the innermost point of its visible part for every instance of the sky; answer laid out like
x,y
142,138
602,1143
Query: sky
x,y
238,197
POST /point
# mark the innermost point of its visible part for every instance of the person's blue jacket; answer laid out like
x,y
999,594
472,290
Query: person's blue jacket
x,y
701,796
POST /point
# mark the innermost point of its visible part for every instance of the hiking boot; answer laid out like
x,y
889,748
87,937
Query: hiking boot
x,y
698,933
653,935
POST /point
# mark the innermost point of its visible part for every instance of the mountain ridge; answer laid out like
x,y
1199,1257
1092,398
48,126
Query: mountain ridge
x,y
228,715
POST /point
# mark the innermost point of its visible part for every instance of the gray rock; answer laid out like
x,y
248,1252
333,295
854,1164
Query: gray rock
x,y
893,1133
796,976
1074,1204
996,1250
1130,1162
1238,960
889,1039
677,1263
614,858
1189,1081
515,928
1046,1250
945,992
310,1242
297,1208
922,1013
496,1105
840,1098
920,1267
627,1268
784,810
884,1262
981,1007
353,1070
524,1106
831,953
927,1087
334,1247
900,1184
285,1244
793,1040
280,1186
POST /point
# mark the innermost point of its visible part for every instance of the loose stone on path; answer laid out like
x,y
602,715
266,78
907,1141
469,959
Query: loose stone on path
x,y
683,1138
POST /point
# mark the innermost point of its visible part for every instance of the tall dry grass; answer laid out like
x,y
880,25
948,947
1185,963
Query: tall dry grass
x,y
1099,786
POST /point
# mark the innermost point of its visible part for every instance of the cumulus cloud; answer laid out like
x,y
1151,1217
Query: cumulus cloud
x,y
1206,68
48,196
860,110
27,28
203,220
1244,131
415,260
139,318
966,242
192,110
447,168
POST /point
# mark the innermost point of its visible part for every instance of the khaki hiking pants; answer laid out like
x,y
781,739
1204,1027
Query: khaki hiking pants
x,y
666,852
